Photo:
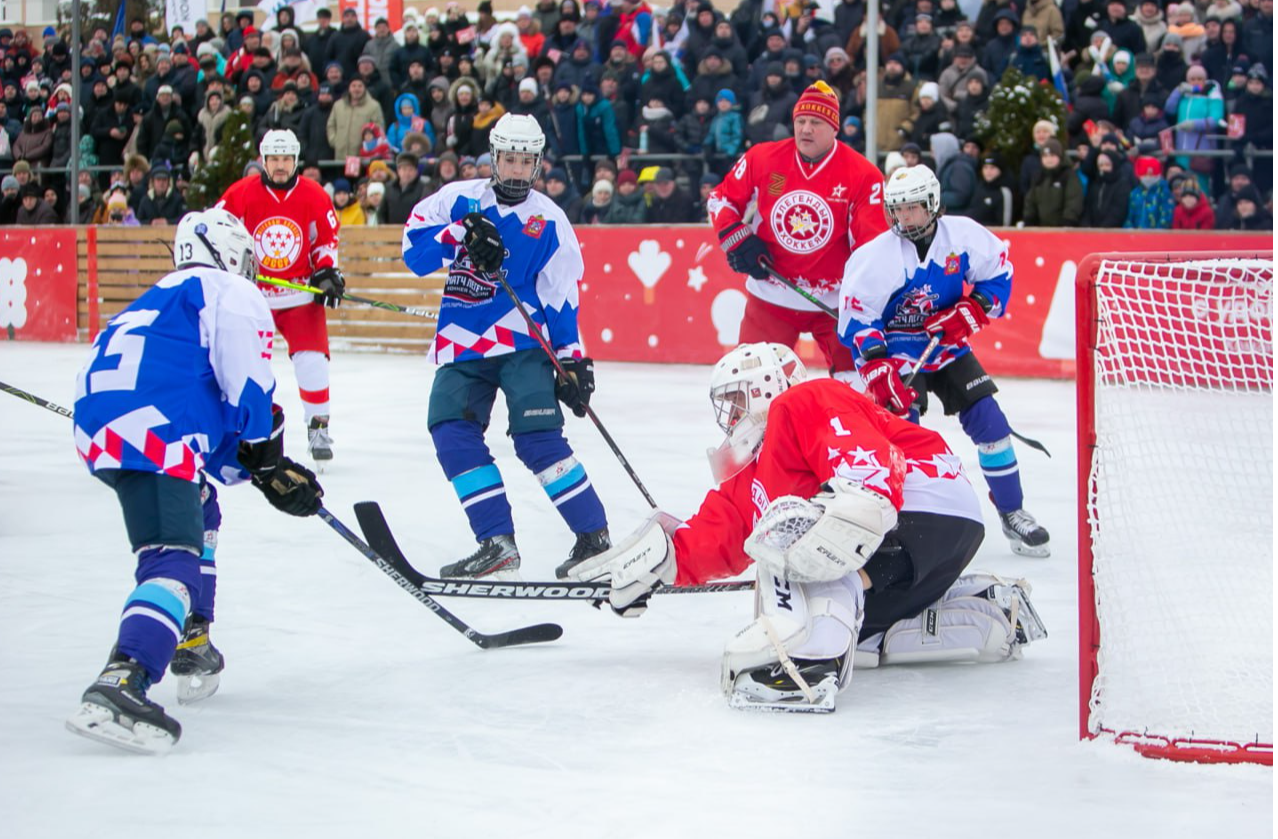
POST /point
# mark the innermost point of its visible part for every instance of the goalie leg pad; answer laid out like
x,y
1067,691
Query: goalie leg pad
x,y
955,629
809,621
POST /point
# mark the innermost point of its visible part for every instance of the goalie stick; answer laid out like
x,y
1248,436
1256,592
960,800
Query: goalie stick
x,y
410,581
378,533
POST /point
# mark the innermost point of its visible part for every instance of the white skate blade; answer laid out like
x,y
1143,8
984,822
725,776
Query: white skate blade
x,y
754,700
98,723
197,687
1021,549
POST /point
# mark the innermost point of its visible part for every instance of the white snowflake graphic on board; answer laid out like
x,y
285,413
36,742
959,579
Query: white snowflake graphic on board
x,y
13,294
650,263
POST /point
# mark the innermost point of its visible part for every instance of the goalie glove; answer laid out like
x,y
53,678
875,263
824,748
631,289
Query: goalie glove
x,y
636,566
483,242
825,538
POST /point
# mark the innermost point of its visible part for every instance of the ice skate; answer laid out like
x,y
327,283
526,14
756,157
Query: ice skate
x,y
1026,535
1013,598
587,545
115,710
318,444
196,663
496,559
772,688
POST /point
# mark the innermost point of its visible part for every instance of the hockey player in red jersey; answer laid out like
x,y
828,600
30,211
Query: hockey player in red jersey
x,y
815,201
861,524
295,232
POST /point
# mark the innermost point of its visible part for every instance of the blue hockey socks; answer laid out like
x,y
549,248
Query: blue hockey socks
x,y
203,604
548,456
988,427
468,464
168,581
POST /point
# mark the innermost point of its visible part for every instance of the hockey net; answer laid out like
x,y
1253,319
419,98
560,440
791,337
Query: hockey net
x,y
1175,425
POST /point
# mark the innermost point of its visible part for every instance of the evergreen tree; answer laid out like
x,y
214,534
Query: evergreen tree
x,y
226,163
1016,103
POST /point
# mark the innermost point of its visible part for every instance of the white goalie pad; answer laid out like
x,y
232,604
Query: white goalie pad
x,y
635,566
826,538
982,618
809,621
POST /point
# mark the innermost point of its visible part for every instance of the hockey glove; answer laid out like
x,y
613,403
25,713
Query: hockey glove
x,y
883,384
574,391
746,251
483,242
291,488
958,323
332,285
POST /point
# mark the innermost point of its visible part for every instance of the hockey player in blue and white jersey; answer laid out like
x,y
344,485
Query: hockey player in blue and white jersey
x,y
933,276
178,389
475,229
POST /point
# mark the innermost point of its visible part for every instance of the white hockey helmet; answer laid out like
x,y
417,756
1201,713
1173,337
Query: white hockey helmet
x,y
520,134
912,185
280,141
747,379
217,239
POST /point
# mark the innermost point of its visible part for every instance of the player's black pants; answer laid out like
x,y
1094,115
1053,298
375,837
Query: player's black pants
x,y
928,551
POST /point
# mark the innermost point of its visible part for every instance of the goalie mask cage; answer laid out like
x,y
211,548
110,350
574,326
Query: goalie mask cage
x,y
1175,450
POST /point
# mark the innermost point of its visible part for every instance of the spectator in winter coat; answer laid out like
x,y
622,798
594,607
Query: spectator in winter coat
x,y
560,190
1029,57
349,116
768,117
971,107
1249,212
853,133
1197,111
1126,34
930,117
692,129
713,75
440,110
1220,57
565,139
1000,49
1170,67
347,44
35,142
373,145
161,204
34,211
1255,106
668,203
993,200
922,49
656,128
1089,106
1045,17
578,67
1150,205
1127,104
1108,192
628,203
506,47
381,46
958,179
314,133
464,94
663,80
896,101
727,129
595,210
1056,198
209,121
408,120
1149,17
953,80
1193,210
403,193
1150,123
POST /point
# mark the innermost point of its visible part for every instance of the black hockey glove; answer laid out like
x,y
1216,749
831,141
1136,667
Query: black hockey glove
x,y
574,391
745,251
288,486
483,242
333,285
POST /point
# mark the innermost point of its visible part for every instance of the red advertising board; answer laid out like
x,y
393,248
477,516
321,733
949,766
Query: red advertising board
x,y
666,294
370,10
37,284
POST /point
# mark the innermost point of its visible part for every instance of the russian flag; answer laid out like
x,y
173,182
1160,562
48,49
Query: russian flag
x,y
1058,75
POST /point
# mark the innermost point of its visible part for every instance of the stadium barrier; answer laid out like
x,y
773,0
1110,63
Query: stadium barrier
x,y
650,294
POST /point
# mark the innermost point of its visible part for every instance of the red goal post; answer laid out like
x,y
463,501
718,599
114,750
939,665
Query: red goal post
x,y
1175,528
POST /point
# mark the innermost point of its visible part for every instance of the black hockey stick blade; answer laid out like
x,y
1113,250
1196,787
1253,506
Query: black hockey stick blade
x,y
378,533
407,578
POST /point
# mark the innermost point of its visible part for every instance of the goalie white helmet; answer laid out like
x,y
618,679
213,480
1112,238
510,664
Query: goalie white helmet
x,y
216,239
747,379
516,134
907,187
280,142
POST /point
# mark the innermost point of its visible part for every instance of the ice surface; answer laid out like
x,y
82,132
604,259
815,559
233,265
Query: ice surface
x,y
349,710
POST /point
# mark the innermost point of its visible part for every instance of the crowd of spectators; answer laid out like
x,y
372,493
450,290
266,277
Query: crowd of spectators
x,y
644,109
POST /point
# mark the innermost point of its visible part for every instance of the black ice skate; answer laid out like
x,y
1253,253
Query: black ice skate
x,y
196,663
588,545
318,443
116,711
1026,535
771,688
496,559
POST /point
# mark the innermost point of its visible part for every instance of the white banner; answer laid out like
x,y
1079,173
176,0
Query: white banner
x,y
184,13
303,11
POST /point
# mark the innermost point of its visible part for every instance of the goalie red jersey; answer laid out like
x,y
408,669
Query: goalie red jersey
x,y
810,215
294,232
817,430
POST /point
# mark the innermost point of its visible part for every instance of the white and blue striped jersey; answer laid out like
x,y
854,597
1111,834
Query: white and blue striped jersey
x,y
543,266
178,379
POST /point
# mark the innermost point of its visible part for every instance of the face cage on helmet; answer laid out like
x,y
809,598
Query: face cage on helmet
x,y
911,232
731,404
515,188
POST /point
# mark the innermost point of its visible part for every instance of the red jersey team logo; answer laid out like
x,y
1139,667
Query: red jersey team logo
x,y
802,222
952,264
277,242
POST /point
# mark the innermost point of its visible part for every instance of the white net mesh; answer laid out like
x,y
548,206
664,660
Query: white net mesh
x,y
1181,500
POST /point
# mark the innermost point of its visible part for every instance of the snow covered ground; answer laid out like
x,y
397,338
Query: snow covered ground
x,y
348,709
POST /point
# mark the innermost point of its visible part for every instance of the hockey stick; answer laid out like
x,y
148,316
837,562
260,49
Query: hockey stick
x,y
378,533
410,581
923,357
535,332
416,311
793,286
35,400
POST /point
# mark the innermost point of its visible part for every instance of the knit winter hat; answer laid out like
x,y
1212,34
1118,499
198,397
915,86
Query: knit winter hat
x,y
726,94
819,101
1148,166
528,85
930,90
